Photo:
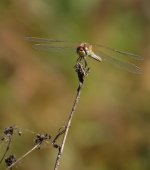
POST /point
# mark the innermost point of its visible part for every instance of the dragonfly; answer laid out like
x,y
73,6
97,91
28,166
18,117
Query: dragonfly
x,y
85,50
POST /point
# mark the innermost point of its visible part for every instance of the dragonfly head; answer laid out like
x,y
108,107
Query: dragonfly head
x,y
83,50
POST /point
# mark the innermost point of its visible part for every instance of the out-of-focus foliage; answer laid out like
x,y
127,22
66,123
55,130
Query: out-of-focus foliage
x,y
110,130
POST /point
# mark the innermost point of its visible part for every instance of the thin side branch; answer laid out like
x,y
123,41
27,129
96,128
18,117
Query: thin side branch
x,y
39,140
7,148
8,135
22,157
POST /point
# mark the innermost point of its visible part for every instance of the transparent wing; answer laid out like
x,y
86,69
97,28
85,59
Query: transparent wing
x,y
36,39
52,44
121,53
122,64
113,56
63,44
48,47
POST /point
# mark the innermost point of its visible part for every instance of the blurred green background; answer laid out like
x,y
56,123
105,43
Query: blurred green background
x,y
111,127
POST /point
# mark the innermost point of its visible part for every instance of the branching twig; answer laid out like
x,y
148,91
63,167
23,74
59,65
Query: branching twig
x,y
11,161
60,132
9,132
7,148
22,157
38,142
82,72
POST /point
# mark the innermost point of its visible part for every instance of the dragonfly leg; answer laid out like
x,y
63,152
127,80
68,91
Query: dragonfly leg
x,y
82,59
78,60
85,62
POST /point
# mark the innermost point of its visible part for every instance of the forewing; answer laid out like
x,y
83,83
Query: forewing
x,y
42,40
52,45
48,47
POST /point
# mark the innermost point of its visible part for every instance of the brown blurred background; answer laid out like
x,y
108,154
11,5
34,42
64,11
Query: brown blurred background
x,y
111,127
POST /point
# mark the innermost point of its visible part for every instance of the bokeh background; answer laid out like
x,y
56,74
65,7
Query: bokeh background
x,y
111,127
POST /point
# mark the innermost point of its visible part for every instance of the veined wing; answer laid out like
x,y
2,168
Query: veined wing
x,y
43,40
48,47
63,44
121,53
122,64
119,61
51,44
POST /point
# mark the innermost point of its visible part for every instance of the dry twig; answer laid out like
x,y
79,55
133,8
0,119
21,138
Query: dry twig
x,y
82,72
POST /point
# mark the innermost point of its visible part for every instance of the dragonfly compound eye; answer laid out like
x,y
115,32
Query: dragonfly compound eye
x,y
81,51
